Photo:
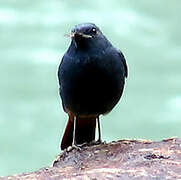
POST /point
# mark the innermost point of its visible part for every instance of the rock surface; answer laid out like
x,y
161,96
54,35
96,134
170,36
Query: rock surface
x,y
124,159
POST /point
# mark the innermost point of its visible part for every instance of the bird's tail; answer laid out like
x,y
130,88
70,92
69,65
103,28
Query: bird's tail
x,y
84,132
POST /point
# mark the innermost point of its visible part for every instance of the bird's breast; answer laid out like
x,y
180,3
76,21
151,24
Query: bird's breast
x,y
92,85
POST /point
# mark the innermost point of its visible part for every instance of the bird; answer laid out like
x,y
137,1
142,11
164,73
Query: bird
x,y
91,79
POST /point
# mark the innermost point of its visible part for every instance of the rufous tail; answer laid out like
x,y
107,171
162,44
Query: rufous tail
x,y
84,132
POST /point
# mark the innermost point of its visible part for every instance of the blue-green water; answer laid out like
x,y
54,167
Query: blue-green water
x,y
32,43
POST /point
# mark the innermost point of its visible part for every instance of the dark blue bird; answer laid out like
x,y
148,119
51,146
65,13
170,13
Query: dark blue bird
x,y
91,76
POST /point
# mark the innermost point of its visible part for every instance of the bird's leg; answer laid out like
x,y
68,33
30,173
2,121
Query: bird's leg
x,y
99,141
99,131
74,143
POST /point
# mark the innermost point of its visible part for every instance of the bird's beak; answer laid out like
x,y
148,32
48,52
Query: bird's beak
x,y
74,34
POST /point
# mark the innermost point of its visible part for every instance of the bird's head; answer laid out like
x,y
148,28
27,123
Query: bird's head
x,y
86,34
85,31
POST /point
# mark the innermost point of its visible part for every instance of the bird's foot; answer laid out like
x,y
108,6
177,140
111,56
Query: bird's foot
x,y
70,148
98,142
77,147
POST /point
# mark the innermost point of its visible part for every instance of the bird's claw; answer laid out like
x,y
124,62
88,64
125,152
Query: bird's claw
x,y
77,147
98,142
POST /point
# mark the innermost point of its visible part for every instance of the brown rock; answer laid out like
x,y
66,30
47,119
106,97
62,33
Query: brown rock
x,y
124,159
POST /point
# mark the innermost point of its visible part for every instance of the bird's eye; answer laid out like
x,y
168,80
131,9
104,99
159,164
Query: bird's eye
x,y
93,30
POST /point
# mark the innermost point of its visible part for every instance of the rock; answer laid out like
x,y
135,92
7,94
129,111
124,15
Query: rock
x,y
124,159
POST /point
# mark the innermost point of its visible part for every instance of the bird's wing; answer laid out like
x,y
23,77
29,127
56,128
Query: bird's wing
x,y
59,69
124,63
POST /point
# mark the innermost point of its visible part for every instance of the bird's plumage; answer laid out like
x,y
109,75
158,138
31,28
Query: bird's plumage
x,y
91,76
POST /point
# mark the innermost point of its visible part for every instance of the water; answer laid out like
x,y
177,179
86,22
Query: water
x,y
32,44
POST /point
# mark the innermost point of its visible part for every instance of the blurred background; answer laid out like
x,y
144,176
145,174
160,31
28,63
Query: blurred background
x,y
32,43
